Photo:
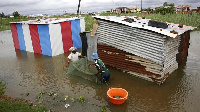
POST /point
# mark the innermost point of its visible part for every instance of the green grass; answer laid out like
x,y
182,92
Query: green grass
x,y
2,88
192,19
5,22
8,104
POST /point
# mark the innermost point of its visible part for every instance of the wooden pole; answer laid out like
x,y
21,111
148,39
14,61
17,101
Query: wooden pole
x,y
141,6
78,6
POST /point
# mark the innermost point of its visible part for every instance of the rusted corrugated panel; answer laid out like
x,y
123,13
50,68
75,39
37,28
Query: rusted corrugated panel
x,y
183,47
141,52
126,61
137,51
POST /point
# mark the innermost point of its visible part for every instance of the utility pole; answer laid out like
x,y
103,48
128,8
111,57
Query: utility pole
x,y
78,6
141,6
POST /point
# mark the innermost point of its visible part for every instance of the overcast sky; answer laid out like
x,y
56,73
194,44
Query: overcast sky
x,y
29,7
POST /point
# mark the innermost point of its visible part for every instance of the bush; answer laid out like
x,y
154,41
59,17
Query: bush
x,y
2,88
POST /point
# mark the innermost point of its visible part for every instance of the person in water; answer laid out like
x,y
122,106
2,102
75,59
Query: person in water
x,y
105,73
74,55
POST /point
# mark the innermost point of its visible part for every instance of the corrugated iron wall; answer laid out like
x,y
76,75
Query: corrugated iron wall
x,y
143,43
126,61
131,63
140,52
15,35
183,47
47,37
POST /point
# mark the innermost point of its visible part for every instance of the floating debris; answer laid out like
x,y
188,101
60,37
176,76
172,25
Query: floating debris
x,y
81,99
40,95
72,99
103,109
66,96
51,93
67,105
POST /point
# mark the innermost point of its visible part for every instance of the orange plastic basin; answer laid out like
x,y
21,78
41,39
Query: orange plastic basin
x,y
117,92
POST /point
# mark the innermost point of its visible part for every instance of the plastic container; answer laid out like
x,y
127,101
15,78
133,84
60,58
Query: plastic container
x,y
117,92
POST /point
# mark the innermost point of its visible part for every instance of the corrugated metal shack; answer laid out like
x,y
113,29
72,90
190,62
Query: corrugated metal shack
x,y
145,48
49,37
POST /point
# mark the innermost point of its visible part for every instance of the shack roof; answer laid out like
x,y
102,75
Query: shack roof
x,y
143,24
48,21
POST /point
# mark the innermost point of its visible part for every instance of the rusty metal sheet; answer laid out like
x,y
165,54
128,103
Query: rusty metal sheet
x,y
142,52
121,60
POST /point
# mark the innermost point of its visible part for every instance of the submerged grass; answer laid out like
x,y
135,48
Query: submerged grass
x,y
8,104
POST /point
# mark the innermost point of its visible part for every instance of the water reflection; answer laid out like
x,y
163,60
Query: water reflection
x,y
20,53
28,72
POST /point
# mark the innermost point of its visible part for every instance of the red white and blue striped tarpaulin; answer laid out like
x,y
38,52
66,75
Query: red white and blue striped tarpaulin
x,y
49,37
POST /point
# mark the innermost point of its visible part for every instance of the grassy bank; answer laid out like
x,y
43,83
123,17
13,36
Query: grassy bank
x,y
5,25
185,19
8,104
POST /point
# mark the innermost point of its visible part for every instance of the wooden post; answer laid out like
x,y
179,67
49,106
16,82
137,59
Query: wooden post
x,y
78,7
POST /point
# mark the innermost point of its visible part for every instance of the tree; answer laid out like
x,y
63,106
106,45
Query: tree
x,y
166,9
2,15
16,14
147,9
165,4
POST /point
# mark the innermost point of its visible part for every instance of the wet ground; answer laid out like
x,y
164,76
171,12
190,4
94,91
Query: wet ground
x,y
42,80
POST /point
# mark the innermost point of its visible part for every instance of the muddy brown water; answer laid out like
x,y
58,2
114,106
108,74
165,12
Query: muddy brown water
x,y
26,72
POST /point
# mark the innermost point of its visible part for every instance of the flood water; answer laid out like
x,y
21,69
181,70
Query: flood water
x,y
26,72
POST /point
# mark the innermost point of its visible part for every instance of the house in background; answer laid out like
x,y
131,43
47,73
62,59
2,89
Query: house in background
x,y
113,10
194,10
134,10
122,10
198,9
183,8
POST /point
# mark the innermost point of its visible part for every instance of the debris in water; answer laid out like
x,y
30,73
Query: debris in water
x,y
81,99
55,94
72,99
27,94
40,102
103,109
51,93
117,97
67,105
66,96
40,94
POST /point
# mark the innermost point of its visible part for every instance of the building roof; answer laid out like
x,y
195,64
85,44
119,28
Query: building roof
x,y
47,21
180,6
143,24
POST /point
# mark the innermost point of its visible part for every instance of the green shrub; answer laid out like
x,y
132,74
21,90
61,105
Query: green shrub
x,y
2,88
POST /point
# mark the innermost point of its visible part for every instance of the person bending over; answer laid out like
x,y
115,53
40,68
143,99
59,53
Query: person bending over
x,y
105,73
